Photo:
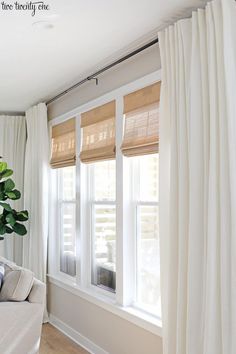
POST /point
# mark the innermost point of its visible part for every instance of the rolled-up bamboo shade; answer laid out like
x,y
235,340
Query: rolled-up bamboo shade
x,y
98,134
141,98
141,133
63,144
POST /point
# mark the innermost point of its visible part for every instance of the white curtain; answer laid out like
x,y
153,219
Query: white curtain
x,y
12,149
36,191
198,182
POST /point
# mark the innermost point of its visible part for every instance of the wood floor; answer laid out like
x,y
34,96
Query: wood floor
x,y
55,342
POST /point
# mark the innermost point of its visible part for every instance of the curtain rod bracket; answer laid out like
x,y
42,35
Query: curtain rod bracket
x,y
93,78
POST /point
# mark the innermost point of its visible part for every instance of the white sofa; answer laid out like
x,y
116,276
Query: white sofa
x,y
22,300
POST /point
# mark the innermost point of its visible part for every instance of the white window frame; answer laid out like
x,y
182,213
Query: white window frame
x,y
60,203
121,303
91,203
137,203
55,228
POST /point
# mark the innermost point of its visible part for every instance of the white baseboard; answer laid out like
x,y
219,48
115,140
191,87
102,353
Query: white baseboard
x,y
78,338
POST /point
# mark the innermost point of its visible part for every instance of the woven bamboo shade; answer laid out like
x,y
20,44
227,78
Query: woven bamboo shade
x,y
141,133
98,127
63,144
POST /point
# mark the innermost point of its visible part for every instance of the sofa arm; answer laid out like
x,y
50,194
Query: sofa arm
x,y
38,292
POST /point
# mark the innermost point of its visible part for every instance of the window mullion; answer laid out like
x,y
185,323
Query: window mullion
x,y
80,210
54,225
60,224
90,223
124,215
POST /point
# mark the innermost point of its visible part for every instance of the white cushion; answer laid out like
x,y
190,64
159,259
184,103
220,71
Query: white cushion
x,y
2,273
17,282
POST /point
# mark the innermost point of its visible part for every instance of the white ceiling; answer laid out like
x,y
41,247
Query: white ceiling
x,y
37,63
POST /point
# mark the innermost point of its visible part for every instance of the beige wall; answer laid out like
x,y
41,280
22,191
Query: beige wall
x,y
142,64
110,332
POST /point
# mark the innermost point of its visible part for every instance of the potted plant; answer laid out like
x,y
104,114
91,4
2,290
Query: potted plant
x,y
10,219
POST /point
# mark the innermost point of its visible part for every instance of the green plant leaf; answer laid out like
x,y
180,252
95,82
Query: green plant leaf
x,y
19,229
10,195
15,194
9,185
22,215
3,166
9,230
2,229
6,206
6,173
10,219
2,196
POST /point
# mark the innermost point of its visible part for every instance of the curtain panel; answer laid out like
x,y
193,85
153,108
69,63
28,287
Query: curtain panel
x,y
12,149
198,182
36,191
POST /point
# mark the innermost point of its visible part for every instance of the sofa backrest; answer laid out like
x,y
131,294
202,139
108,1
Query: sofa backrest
x,y
37,294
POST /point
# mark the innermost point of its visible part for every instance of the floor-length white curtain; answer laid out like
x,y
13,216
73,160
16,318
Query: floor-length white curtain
x,y
36,191
198,182
12,150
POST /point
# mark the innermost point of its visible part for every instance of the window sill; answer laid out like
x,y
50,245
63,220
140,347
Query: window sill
x,y
131,314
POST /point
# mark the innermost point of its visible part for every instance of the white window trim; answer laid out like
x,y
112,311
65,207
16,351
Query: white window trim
x,y
136,203
131,314
122,302
60,203
113,95
91,203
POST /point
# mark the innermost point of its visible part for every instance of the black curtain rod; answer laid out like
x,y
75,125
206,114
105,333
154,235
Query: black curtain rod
x,y
99,72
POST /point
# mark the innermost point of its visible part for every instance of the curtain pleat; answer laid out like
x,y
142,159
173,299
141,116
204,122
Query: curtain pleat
x,y
36,192
12,149
198,182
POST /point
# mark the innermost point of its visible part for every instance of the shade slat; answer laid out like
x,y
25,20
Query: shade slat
x,y
98,154
63,152
63,128
98,114
98,128
141,98
141,133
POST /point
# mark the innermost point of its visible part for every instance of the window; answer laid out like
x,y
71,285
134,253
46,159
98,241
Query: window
x,y
140,144
103,224
107,218
145,198
67,204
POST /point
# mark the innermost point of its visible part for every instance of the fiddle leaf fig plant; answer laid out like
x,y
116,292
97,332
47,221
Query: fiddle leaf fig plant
x,y
10,219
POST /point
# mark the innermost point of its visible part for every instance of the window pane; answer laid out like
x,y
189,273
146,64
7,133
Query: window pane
x,y
104,247
148,261
68,243
149,181
68,182
105,180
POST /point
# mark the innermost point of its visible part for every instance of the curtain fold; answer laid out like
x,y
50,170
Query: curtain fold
x,y
12,149
36,191
198,182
